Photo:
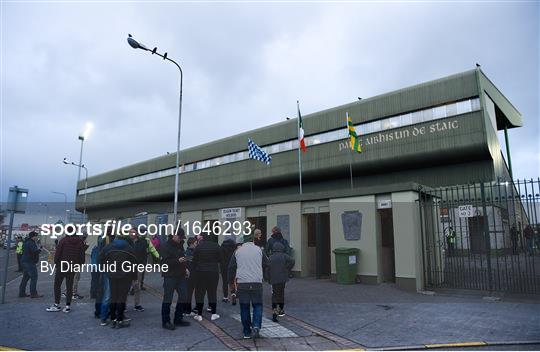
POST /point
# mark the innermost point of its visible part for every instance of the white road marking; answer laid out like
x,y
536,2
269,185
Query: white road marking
x,y
270,329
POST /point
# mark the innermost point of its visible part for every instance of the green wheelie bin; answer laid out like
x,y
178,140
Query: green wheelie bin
x,y
346,265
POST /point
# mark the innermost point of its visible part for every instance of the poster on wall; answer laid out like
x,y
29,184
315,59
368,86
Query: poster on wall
x,y
283,224
352,225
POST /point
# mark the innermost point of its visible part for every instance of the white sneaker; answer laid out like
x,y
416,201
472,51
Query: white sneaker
x,y
198,317
215,317
66,309
54,308
192,314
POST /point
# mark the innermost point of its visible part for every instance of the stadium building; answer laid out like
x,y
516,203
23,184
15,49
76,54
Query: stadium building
x,y
438,133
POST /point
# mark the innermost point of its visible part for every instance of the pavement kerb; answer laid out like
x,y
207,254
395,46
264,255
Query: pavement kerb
x,y
454,345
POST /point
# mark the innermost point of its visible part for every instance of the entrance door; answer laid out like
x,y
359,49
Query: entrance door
x,y
319,259
259,222
387,244
476,234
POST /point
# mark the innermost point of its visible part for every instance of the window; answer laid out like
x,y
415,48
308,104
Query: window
x,y
451,109
463,106
439,112
406,119
417,117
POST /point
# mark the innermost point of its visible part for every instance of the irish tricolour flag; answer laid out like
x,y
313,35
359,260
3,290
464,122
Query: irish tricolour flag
x,y
301,140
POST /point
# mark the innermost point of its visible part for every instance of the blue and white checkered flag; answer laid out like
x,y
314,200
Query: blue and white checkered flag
x,y
257,153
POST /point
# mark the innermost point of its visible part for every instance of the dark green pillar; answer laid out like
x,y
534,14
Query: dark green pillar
x,y
508,152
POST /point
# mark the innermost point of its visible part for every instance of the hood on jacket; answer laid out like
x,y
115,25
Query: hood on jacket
x,y
278,247
277,235
229,242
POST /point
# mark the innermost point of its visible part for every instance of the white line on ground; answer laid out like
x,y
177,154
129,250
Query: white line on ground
x,y
270,329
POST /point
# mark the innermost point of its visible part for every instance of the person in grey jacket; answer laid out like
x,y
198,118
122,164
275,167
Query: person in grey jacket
x,y
279,265
247,265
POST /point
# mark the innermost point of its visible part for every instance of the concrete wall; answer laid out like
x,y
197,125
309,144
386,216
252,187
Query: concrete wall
x,y
407,240
294,211
190,216
367,263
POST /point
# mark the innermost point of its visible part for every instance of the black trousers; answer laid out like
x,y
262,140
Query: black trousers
x,y
170,285
225,283
58,279
278,295
189,297
119,291
206,283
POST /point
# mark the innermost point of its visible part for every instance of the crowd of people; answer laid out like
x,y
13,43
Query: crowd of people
x,y
194,268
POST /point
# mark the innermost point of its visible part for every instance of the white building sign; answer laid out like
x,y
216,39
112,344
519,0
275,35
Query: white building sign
x,y
231,213
466,211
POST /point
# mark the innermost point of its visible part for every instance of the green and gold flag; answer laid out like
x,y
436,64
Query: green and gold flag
x,y
355,141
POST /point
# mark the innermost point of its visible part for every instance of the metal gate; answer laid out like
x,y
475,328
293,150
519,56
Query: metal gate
x,y
483,236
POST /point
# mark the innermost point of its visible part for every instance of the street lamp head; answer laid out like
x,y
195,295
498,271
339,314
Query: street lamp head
x,y
65,161
87,129
135,44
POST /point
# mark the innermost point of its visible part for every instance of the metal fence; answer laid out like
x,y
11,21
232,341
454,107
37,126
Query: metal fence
x,y
483,236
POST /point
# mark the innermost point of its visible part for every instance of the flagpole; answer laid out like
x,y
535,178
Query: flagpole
x,y
350,148
299,152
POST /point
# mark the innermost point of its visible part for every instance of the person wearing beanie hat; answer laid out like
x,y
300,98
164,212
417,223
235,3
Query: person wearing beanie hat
x,y
246,267
29,259
174,279
119,252
207,259
279,265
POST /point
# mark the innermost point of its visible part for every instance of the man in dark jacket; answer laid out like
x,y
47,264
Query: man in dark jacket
x,y
227,249
117,252
77,276
275,238
188,307
207,259
142,246
279,265
70,249
174,279
29,260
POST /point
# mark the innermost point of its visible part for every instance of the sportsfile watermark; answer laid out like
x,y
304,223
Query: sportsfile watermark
x,y
117,227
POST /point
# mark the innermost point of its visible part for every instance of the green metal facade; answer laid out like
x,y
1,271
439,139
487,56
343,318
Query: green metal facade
x,y
454,150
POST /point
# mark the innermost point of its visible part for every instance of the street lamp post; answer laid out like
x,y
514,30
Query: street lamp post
x,y
136,45
65,161
65,204
87,128
46,212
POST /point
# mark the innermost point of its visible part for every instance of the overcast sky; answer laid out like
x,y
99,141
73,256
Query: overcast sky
x,y
245,65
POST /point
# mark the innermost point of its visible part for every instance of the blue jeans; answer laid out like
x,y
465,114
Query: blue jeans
x,y
104,314
29,273
171,284
250,295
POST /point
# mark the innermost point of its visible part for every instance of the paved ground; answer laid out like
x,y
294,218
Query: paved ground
x,y
321,315
12,266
